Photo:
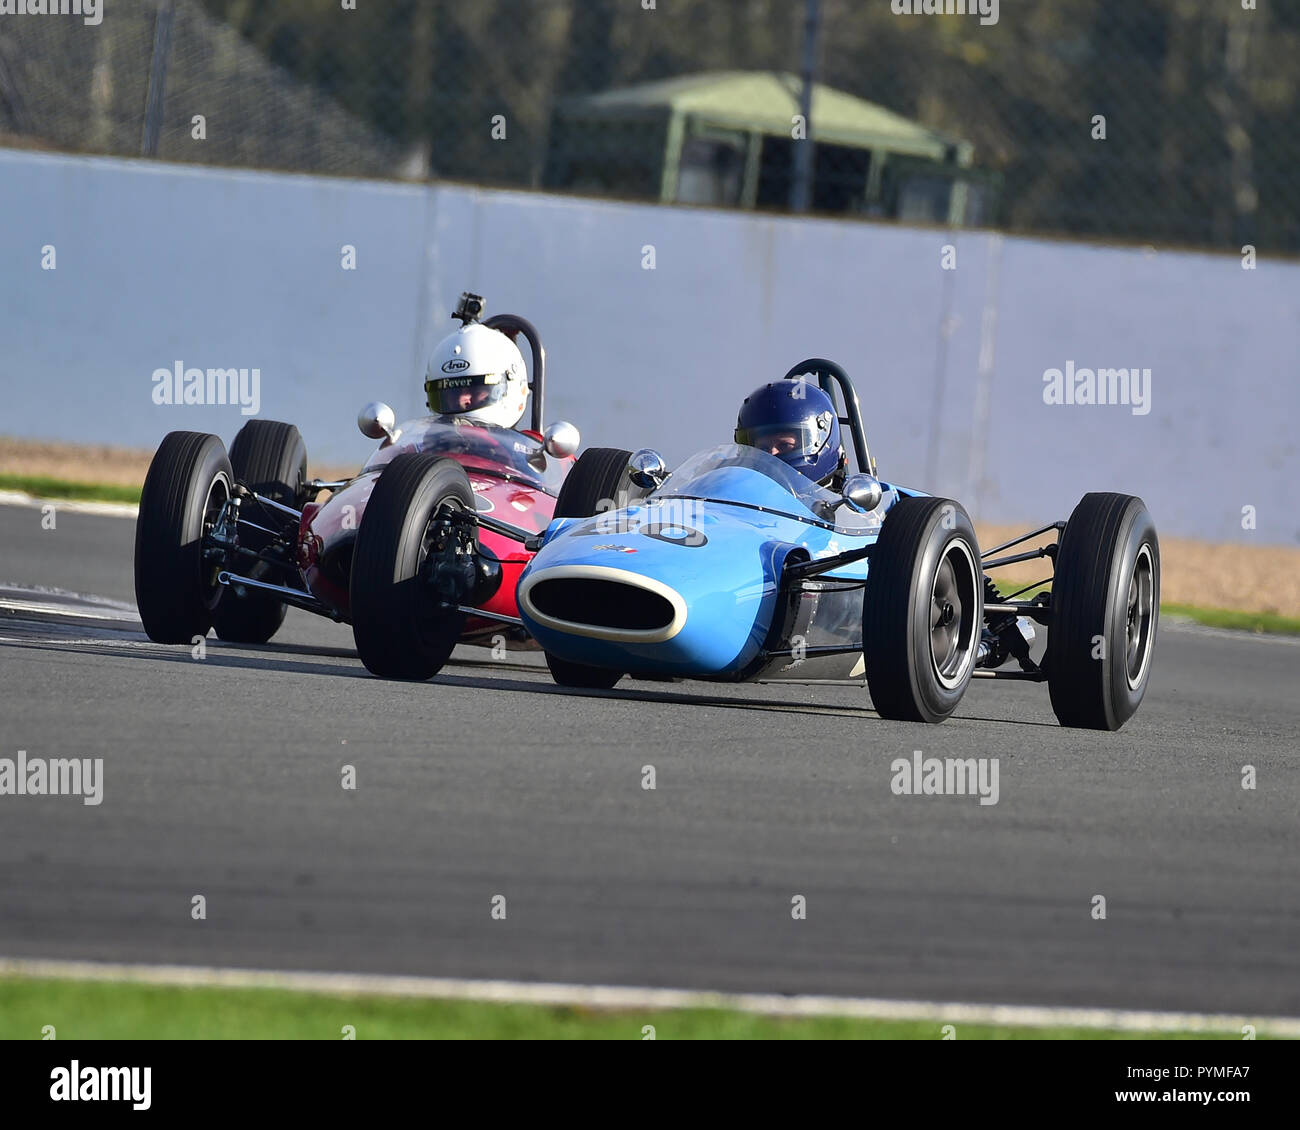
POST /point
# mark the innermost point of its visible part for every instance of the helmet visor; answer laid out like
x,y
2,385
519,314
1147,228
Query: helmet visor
x,y
797,439
450,396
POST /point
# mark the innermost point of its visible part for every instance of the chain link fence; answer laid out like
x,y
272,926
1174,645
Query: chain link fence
x,y
1174,122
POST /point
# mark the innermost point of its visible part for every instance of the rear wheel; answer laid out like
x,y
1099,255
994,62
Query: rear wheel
x,y
270,458
597,482
1105,608
922,610
176,587
409,550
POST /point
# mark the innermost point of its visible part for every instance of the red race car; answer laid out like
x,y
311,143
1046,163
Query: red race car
x,y
420,551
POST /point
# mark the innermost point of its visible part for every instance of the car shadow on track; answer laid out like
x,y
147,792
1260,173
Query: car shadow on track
x,y
667,698
268,657
679,698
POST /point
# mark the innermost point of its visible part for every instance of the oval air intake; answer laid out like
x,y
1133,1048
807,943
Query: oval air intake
x,y
601,604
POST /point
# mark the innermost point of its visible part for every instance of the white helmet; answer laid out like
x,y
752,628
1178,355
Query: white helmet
x,y
477,373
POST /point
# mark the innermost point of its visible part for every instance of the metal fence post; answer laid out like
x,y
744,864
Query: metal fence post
x,y
163,22
801,187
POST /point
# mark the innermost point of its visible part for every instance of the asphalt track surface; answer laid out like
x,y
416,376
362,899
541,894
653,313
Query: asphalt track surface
x,y
222,777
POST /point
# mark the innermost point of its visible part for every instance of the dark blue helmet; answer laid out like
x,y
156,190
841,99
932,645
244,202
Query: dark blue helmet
x,y
795,421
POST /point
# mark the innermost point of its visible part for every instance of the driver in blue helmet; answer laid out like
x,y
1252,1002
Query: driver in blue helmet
x,y
795,421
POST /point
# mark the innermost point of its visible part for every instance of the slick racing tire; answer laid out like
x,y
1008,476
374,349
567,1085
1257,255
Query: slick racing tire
x,y
923,610
598,478
1105,608
568,674
176,588
401,629
270,458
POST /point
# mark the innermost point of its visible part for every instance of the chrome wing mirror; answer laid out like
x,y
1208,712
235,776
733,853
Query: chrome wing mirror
x,y
561,439
862,493
376,421
647,469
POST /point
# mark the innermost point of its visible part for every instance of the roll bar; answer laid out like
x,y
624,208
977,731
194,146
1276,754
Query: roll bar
x,y
828,375
512,325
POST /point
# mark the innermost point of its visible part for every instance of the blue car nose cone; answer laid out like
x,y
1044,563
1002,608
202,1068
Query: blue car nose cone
x,y
691,581
659,595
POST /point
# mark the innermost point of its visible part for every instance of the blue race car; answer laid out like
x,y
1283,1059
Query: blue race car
x,y
737,566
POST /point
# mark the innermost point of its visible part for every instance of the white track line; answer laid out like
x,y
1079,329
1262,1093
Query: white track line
x,y
645,999
70,506
71,611
88,641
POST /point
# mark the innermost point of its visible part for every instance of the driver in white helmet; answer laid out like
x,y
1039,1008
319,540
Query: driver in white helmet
x,y
477,374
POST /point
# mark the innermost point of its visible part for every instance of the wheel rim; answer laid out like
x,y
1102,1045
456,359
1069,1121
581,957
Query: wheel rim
x,y
1139,617
218,496
952,615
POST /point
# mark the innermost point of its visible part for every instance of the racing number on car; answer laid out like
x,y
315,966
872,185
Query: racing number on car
x,y
675,534
672,532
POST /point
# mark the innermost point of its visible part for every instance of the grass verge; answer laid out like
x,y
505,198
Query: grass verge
x,y
1238,621
109,1010
42,486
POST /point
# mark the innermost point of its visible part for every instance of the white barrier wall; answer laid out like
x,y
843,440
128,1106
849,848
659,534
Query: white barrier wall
x,y
157,264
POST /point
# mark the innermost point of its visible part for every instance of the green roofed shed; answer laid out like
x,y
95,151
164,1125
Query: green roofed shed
x,y
727,138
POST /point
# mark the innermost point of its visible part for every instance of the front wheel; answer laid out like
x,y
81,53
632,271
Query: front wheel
x,y
568,674
922,610
412,559
1105,607
176,589
597,482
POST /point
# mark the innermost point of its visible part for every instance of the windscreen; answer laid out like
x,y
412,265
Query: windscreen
x,y
479,447
697,478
